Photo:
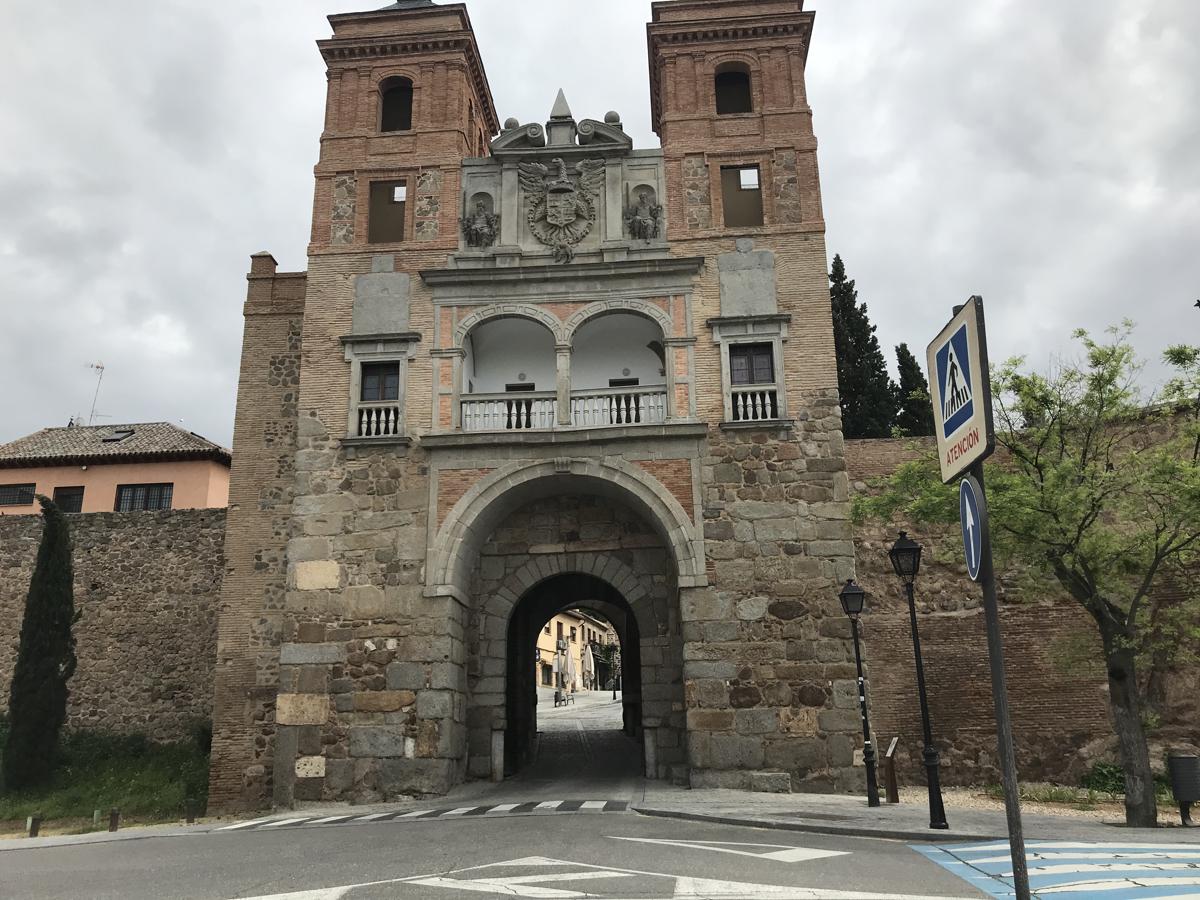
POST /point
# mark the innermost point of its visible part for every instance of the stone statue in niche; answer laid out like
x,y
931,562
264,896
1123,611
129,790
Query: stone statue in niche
x,y
644,218
481,227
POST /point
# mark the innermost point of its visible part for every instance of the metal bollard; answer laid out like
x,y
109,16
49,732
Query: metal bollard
x,y
114,819
34,824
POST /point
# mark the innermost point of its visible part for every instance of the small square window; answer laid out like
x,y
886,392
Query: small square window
x,y
751,364
399,193
69,499
380,382
748,179
386,217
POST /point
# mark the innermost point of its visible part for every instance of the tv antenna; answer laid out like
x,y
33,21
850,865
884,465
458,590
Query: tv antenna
x,y
99,369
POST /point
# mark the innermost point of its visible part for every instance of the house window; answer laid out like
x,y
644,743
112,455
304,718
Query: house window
x,y
380,382
547,672
734,90
573,636
389,199
547,628
623,382
117,435
69,499
395,105
751,364
17,494
135,497
559,624
741,192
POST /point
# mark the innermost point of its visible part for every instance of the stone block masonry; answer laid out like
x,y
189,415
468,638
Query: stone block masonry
x,y
146,589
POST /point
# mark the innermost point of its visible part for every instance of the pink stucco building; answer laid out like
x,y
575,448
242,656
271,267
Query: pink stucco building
x,y
113,468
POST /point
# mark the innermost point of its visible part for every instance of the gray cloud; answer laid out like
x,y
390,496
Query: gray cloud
x,y
1046,159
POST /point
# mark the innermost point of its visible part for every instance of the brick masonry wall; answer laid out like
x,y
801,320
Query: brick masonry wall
x,y
146,589
1060,715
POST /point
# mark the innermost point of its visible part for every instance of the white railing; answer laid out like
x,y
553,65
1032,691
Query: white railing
x,y
755,403
509,412
379,420
619,406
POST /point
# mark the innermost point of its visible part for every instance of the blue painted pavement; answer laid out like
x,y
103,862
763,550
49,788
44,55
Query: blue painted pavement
x,y
1069,871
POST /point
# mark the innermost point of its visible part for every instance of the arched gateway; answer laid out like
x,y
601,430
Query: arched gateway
x,y
534,539
532,368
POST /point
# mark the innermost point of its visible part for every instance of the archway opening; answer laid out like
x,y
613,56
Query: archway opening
x,y
564,716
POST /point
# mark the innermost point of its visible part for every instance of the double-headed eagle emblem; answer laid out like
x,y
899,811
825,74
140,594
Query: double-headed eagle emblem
x,y
561,208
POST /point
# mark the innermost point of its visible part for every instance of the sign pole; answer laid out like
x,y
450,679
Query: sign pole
x,y
1008,764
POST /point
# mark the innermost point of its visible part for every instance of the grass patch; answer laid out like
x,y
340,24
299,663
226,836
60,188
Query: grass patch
x,y
146,781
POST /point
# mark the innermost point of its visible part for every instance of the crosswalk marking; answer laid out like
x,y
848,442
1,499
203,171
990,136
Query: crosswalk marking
x,y
1061,869
557,807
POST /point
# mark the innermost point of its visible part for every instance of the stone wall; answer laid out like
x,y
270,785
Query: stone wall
x,y
1060,713
146,588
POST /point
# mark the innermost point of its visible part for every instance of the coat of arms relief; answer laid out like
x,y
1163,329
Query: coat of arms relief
x,y
561,208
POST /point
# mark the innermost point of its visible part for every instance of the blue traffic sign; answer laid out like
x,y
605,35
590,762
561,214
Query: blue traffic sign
x,y
972,513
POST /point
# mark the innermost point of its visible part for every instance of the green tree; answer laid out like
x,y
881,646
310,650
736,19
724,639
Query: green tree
x,y
915,415
868,396
37,705
1099,490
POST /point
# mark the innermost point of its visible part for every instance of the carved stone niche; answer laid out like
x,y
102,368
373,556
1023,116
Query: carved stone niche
x,y
480,223
643,214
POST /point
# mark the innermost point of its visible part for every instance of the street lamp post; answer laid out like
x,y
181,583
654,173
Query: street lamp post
x,y
906,560
853,600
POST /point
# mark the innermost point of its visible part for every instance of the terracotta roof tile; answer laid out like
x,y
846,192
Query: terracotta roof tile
x,y
109,442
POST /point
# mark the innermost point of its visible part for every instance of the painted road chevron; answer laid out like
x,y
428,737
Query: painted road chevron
x,y
1071,871
532,808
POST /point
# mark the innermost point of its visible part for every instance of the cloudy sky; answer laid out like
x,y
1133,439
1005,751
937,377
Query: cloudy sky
x,y
1045,155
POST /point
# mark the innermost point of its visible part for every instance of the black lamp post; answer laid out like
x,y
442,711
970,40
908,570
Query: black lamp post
x,y
853,600
906,560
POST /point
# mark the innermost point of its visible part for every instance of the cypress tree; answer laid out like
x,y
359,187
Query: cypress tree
x,y
868,395
915,418
37,705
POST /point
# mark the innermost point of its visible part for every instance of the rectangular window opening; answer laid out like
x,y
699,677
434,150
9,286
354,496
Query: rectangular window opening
x,y
380,382
69,499
17,494
624,382
573,636
138,497
752,364
741,192
521,388
385,224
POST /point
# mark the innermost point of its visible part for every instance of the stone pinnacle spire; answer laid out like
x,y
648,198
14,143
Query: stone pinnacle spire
x,y
562,109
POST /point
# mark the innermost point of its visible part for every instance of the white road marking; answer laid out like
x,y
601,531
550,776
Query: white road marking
x,y
778,852
329,819
329,894
1063,845
502,808
415,813
1109,868
594,804
1122,885
550,804
372,817
1141,855
461,811
279,823
240,825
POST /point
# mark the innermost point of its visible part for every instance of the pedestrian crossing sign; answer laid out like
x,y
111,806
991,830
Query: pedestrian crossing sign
x,y
962,407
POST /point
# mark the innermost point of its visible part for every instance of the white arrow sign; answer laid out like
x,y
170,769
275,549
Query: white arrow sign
x,y
777,852
971,563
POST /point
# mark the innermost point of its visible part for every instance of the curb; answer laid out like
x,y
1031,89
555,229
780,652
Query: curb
x,y
923,837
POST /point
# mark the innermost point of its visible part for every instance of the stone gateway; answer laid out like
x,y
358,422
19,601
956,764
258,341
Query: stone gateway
x,y
532,368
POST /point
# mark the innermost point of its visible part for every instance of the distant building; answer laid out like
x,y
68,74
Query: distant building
x,y
113,468
577,629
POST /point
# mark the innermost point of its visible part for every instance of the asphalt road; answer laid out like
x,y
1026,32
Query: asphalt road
x,y
608,855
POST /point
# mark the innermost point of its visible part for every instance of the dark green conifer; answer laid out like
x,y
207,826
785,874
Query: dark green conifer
x,y
915,416
868,395
37,705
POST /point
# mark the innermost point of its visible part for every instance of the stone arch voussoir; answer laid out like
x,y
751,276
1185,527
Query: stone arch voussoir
x,y
637,307
510,311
